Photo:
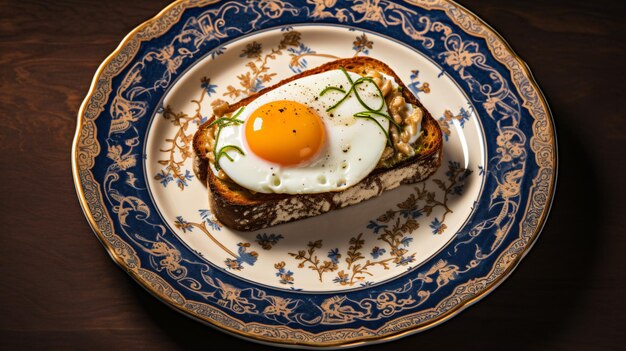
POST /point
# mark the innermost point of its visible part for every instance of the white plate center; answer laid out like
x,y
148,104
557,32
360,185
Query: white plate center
x,y
358,246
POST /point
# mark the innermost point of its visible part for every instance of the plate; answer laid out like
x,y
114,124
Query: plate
x,y
387,267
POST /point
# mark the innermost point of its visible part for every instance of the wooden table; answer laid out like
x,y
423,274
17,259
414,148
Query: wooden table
x,y
59,289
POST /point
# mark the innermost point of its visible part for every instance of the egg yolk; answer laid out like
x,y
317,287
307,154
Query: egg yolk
x,y
285,132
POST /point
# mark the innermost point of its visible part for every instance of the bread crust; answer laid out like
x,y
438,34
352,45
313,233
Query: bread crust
x,y
240,209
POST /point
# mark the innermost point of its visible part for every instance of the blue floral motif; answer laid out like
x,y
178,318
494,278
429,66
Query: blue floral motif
x,y
164,178
406,241
182,182
342,279
233,264
268,241
252,50
334,255
411,212
205,83
437,226
377,252
362,44
457,190
302,49
406,260
247,257
297,63
206,217
201,120
375,227
453,166
243,257
448,118
282,273
454,170
463,117
258,85
182,224
217,52
466,173
285,275
417,86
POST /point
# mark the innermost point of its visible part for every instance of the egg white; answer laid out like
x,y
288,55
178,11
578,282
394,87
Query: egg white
x,y
353,145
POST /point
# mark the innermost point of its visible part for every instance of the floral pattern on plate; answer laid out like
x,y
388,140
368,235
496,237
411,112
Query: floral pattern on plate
x,y
507,142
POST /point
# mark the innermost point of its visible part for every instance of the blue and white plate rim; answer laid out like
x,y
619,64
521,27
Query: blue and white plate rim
x,y
499,281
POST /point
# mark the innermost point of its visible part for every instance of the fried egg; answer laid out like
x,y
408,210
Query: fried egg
x,y
288,141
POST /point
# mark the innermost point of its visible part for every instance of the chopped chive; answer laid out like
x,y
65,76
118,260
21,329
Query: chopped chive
x,y
367,113
238,113
221,123
347,75
359,81
380,93
332,88
225,122
369,110
382,99
341,100
222,152
379,125
346,94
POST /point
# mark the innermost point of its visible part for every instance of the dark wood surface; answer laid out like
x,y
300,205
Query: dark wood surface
x,y
60,290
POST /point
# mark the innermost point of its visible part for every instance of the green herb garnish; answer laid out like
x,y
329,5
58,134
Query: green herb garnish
x,y
222,152
221,123
331,89
378,123
367,114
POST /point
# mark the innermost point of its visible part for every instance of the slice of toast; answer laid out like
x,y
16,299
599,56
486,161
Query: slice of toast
x,y
241,209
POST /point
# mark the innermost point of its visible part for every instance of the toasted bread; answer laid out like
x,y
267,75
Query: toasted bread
x,y
241,209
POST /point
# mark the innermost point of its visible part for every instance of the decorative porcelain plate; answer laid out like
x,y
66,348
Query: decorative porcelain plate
x,y
397,264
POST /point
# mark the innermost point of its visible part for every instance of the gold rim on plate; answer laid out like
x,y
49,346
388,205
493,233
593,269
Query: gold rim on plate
x,y
179,304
